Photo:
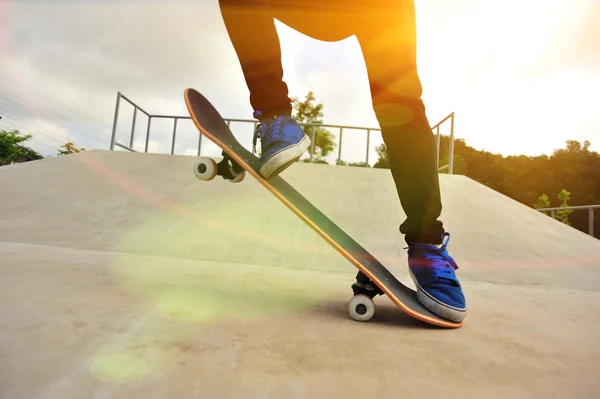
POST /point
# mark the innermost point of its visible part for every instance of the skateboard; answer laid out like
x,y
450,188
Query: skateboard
x,y
372,279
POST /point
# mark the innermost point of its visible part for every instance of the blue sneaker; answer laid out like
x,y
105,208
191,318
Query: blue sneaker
x,y
438,288
282,141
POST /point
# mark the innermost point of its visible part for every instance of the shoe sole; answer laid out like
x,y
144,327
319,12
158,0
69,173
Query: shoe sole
x,y
281,160
441,309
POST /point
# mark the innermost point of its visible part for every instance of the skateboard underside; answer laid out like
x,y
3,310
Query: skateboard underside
x,y
211,124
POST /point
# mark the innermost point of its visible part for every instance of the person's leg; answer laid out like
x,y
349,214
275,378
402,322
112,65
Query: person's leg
x,y
251,28
387,34
252,32
388,40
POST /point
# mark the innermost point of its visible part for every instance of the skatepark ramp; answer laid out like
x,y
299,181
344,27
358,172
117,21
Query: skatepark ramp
x,y
151,204
123,275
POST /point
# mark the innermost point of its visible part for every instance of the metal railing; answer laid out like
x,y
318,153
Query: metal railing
x,y
590,209
436,128
313,126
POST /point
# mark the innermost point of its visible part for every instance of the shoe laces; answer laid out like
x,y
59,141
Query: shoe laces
x,y
436,261
268,128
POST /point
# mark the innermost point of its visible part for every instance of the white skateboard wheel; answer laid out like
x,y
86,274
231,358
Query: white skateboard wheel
x,y
205,169
239,177
361,308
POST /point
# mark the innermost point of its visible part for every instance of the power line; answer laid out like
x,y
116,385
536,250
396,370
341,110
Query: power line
x,y
23,106
55,101
36,130
31,127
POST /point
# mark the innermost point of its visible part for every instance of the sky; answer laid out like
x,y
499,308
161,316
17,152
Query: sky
x,y
521,76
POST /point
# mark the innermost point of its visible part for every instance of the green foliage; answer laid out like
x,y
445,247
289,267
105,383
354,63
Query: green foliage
x,y
307,112
563,215
459,166
69,148
542,202
523,178
12,149
359,164
383,160
315,160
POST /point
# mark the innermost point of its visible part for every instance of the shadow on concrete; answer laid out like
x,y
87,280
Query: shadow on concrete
x,y
385,315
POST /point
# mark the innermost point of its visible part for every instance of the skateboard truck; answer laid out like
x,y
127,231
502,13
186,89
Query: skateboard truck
x,y
361,306
364,285
206,169
229,169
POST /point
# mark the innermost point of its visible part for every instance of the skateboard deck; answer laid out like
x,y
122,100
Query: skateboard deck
x,y
210,124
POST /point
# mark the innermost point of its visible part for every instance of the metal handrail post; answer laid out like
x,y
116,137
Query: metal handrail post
x,y
368,140
114,128
174,135
148,133
437,147
312,151
451,160
340,145
133,127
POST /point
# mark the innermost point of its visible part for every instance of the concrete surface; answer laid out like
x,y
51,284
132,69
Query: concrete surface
x,y
124,277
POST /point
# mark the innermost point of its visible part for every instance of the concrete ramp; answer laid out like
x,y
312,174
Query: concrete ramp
x,y
124,276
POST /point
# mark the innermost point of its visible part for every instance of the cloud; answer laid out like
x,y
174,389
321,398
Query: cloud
x,y
121,45
81,55
521,77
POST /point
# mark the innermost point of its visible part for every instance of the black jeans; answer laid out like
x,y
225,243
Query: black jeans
x,y
386,31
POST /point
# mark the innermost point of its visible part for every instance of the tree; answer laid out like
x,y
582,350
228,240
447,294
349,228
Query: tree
x,y
459,165
522,177
69,148
383,160
307,112
542,202
13,151
563,215
359,164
